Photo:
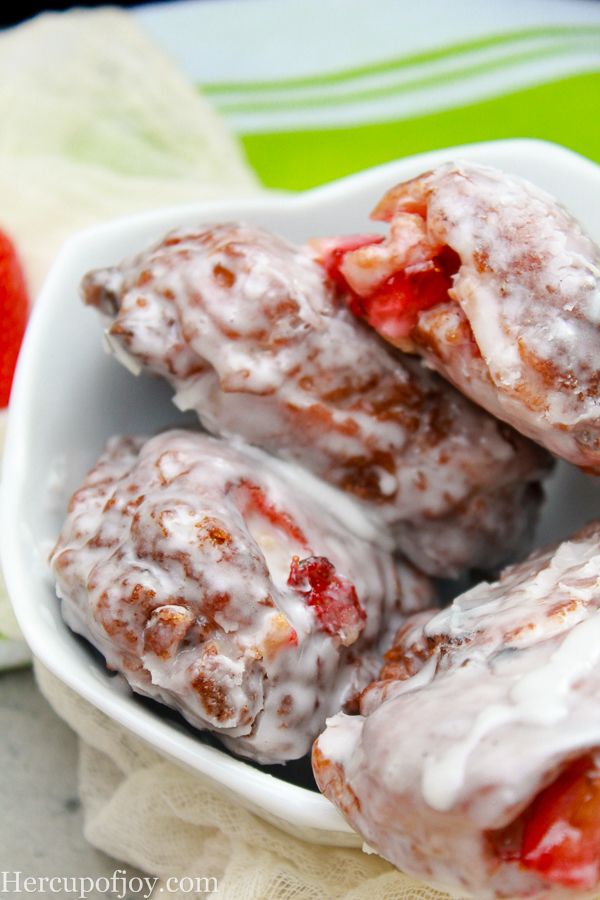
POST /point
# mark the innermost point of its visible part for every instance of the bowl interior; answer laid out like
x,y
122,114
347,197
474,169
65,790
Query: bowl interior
x,y
69,397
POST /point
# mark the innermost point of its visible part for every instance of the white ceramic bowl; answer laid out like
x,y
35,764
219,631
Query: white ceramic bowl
x,y
69,397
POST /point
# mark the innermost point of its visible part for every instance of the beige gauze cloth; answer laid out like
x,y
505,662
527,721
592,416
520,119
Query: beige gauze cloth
x,y
167,821
97,123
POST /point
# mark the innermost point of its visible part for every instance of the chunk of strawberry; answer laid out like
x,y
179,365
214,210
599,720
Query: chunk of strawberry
x,y
252,499
332,597
393,309
558,835
561,839
330,252
14,306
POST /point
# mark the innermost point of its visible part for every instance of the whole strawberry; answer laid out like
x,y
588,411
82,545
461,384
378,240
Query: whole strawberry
x,y
13,314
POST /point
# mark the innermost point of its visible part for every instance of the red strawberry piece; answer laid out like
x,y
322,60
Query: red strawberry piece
x,y
558,835
393,308
332,597
14,306
252,499
330,252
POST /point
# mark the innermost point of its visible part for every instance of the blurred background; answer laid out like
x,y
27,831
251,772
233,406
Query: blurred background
x,y
12,15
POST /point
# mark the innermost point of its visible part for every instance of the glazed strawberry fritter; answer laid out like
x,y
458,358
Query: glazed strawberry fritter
x,y
216,584
497,286
475,760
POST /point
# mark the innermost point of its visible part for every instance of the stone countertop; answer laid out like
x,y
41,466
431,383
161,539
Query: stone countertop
x,y
41,826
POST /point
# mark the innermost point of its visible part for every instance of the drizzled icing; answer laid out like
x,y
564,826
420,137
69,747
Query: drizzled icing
x,y
176,562
539,697
504,694
522,336
253,336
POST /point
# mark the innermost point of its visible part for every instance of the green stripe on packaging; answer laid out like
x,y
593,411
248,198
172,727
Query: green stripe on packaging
x,y
508,61
384,66
564,111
